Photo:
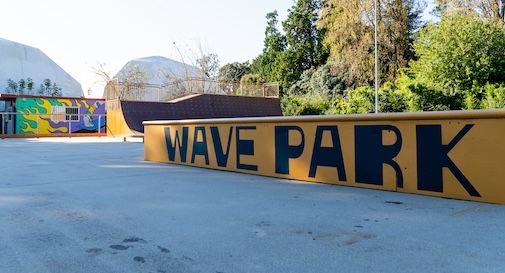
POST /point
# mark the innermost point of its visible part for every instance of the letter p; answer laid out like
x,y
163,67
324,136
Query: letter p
x,y
284,151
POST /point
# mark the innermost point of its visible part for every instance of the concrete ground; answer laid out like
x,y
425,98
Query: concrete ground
x,y
74,205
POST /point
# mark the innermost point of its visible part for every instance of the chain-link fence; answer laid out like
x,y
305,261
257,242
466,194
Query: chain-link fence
x,y
48,124
180,88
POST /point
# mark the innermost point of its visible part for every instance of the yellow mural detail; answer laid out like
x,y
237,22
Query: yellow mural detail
x,y
45,104
36,118
67,102
44,126
29,129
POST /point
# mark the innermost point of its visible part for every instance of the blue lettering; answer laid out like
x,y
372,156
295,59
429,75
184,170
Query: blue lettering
x,y
244,147
327,156
200,147
221,157
284,151
432,157
171,148
371,154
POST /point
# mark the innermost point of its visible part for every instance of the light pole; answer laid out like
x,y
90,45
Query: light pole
x,y
376,60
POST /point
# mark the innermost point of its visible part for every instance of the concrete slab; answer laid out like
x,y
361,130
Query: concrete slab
x,y
94,205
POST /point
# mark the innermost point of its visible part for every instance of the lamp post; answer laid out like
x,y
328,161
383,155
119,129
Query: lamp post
x,y
376,60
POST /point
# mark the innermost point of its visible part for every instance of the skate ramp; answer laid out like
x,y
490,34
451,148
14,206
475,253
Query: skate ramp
x,y
125,117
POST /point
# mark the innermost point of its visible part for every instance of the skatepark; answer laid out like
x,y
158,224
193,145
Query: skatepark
x,y
288,136
97,206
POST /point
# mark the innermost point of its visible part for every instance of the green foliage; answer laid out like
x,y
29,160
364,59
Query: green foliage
x,y
393,99
12,87
304,105
56,90
362,100
459,53
48,88
285,57
457,63
323,81
420,97
490,10
23,86
349,29
268,63
252,79
303,38
233,72
29,84
356,101
494,96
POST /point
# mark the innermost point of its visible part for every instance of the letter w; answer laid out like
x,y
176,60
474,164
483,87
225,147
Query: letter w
x,y
181,145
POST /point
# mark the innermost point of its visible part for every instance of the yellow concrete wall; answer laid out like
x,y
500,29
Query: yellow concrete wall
x,y
447,154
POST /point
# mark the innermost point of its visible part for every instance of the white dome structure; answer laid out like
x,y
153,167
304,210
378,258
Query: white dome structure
x,y
158,70
19,61
157,78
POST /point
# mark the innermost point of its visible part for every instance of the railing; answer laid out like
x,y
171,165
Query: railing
x,y
176,89
49,124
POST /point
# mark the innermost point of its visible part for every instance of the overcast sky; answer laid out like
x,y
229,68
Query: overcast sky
x,y
79,34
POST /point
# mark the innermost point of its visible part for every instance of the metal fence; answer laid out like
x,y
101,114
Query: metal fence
x,y
176,89
47,124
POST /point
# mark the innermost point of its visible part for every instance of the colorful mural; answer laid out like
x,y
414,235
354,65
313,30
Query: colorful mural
x,y
44,116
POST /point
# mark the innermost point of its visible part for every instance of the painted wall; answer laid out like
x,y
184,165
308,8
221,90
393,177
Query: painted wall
x,y
454,154
44,116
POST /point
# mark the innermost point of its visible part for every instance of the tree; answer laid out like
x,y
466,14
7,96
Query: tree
x,y
268,64
45,88
29,85
131,80
490,10
285,57
12,87
208,64
323,82
103,72
303,38
49,88
233,72
459,53
230,74
21,86
125,85
251,85
349,28
56,90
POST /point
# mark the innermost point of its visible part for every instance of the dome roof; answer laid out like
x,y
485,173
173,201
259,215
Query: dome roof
x,y
19,61
159,70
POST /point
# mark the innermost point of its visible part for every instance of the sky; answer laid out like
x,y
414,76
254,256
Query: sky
x,y
80,34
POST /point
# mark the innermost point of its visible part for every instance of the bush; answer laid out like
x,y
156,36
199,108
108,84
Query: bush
x,y
252,79
393,99
460,52
304,105
494,96
419,96
358,101
324,81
